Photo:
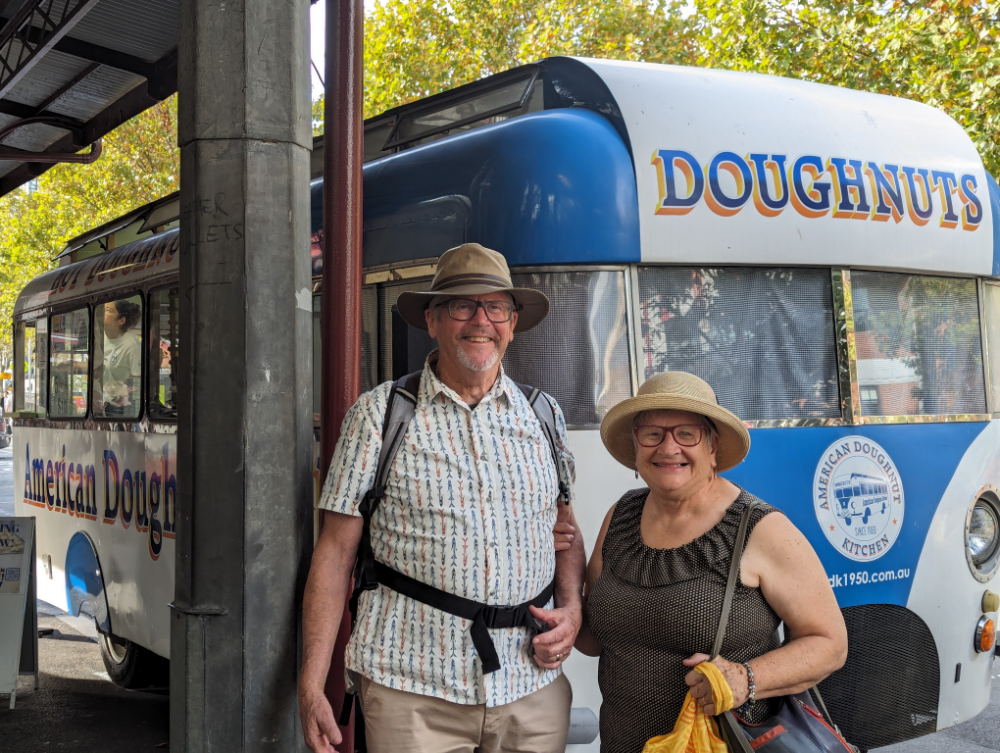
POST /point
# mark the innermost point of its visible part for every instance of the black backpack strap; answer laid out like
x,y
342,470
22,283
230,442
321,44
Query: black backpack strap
x,y
398,412
547,418
399,409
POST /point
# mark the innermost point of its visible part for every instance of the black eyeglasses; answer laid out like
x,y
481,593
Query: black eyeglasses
x,y
686,435
464,309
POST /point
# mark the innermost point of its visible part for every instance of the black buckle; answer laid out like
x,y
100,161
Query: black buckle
x,y
504,616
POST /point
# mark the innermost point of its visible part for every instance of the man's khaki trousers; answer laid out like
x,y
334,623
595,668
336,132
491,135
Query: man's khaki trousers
x,y
401,722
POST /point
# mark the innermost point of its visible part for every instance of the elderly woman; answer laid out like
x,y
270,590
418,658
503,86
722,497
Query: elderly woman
x,y
657,577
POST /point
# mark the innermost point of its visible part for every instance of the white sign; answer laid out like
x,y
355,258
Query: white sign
x,y
745,168
17,536
859,499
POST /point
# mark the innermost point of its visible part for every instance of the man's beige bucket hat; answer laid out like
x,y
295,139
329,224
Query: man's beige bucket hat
x,y
675,390
471,269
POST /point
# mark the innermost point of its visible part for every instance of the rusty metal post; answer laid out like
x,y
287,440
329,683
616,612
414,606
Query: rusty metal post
x,y
343,149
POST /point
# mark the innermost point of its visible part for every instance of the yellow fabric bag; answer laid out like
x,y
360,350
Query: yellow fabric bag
x,y
694,731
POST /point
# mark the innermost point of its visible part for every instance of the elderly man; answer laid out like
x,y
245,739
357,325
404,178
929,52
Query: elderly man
x,y
457,645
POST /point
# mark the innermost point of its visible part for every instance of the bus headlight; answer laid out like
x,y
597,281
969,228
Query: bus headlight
x,y
982,536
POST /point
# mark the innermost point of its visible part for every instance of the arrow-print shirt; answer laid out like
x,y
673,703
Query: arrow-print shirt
x,y
469,508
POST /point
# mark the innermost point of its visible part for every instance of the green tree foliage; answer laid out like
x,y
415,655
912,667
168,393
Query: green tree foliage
x,y
414,48
318,115
944,53
140,163
941,52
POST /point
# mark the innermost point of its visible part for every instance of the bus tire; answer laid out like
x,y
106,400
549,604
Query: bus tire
x,y
131,666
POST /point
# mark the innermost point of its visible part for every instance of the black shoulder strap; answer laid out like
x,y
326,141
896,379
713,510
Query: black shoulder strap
x,y
547,418
398,411
734,574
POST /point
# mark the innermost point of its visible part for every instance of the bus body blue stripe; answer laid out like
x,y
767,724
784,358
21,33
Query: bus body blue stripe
x,y
782,464
554,187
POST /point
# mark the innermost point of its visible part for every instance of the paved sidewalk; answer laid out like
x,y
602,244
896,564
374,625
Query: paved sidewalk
x,y
6,482
76,707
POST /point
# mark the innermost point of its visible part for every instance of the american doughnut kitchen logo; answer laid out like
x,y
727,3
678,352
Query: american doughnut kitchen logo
x,y
859,500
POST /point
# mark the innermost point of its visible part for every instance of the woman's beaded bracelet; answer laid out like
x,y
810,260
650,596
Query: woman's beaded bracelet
x,y
751,688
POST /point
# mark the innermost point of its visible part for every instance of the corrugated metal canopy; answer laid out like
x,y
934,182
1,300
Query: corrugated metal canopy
x,y
73,70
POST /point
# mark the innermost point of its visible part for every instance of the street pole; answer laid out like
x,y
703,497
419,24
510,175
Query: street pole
x,y
244,529
343,149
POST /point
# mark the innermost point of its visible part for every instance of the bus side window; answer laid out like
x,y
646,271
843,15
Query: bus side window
x,y
164,337
117,388
579,353
69,355
29,366
762,337
991,293
369,338
394,358
919,344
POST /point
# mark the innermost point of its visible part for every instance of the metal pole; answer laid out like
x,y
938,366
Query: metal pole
x,y
244,528
343,149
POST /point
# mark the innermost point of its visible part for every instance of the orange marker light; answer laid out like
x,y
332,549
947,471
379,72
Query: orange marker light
x,y
986,633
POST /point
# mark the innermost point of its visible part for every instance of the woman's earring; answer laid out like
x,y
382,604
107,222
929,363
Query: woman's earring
x,y
637,474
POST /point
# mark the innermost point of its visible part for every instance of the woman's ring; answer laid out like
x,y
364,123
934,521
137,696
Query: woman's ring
x,y
558,657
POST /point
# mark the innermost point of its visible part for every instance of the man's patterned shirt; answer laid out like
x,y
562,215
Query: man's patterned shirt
x,y
469,507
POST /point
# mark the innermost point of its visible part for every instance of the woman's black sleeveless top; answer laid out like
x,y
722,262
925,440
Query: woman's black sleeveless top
x,y
652,608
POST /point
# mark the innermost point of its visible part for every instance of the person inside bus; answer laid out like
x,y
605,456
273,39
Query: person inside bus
x,y
122,367
467,510
657,576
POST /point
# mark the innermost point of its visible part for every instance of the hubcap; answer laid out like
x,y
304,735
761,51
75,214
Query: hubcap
x,y
116,647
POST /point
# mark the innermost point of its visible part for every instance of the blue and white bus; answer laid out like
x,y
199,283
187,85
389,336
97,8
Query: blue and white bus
x,y
858,494
828,260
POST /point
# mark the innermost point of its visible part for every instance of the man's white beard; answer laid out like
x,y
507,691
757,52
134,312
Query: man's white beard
x,y
470,363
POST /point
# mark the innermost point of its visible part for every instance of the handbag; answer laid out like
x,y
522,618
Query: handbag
x,y
798,726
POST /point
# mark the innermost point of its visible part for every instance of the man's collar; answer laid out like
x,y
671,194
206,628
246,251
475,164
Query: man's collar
x,y
431,385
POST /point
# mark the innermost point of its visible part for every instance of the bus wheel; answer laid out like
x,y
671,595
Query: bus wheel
x,y
129,665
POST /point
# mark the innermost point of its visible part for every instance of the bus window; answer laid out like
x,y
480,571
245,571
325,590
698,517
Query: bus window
x,y
369,337
416,347
164,332
992,304
317,323
579,353
918,344
29,366
69,353
118,358
763,338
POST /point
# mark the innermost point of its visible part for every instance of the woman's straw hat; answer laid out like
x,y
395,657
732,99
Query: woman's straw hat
x,y
471,269
675,390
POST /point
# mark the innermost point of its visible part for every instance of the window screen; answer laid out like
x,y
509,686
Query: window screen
x,y
579,353
420,342
69,353
164,336
369,338
317,327
117,388
431,120
762,338
918,344
992,304
29,366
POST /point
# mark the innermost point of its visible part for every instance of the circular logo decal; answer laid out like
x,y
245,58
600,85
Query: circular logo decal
x,y
859,498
